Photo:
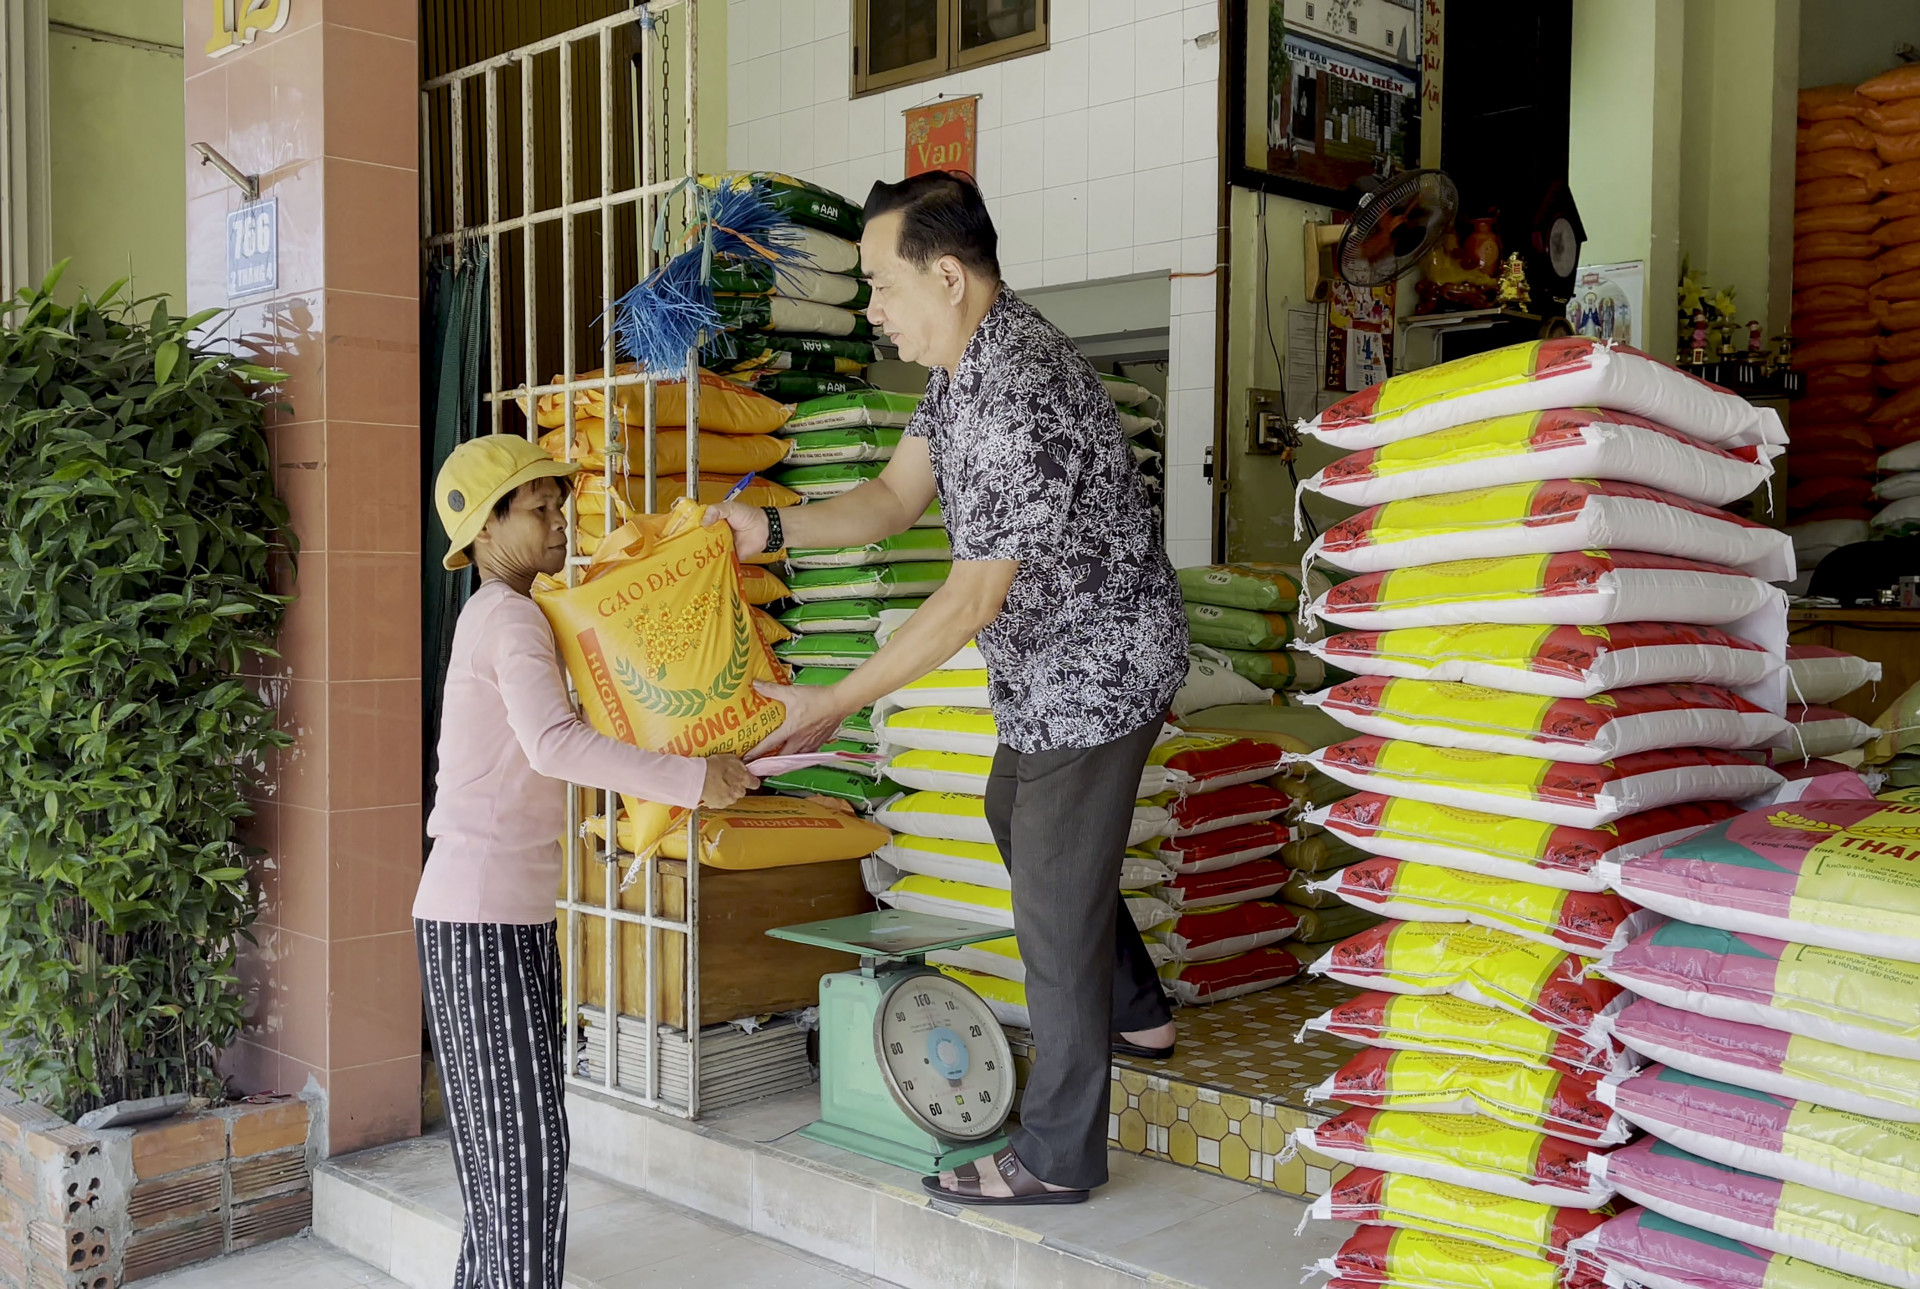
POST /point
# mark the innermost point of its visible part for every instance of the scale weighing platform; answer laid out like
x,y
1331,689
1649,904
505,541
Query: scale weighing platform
x,y
914,1069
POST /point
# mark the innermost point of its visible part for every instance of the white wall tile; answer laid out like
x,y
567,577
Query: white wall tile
x,y
1200,62
866,131
862,174
1063,271
830,18
796,77
1110,140
1103,14
736,144
1063,221
1189,554
1110,214
1156,130
1199,122
1066,73
1109,264
1157,60
893,163
1069,19
1110,65
763,145
796,140
1156,206
1189,504
1153,257
736,21
759,30
1198,20
1199,254
986,160
1195,332
830,132
1021,154
833,177
1017,219
1021,277
1199,198
1189,423
1023,88
1064,147
796,23
832,70
1193,295
985,81
1143,9
737,100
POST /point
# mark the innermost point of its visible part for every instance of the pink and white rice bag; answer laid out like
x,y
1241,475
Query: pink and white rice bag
x,y
1642,1247
1875,1160
1845,1235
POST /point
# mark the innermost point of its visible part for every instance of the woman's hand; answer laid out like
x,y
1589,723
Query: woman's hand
x,y
727,782
749,524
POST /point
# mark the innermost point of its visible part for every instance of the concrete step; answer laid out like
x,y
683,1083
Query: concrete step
x,y
655,1199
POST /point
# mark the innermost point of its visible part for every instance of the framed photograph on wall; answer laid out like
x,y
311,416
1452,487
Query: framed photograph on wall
x,y
1325,92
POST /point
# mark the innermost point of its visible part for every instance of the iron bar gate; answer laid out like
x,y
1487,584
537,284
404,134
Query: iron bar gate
x,y
446,102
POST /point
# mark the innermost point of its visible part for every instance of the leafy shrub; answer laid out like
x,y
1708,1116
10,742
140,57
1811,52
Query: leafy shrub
x,y
137,524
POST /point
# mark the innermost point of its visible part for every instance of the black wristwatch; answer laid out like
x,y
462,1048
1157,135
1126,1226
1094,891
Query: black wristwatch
x,y
776,537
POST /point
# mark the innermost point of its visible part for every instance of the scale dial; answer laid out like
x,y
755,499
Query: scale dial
x,y
944,1057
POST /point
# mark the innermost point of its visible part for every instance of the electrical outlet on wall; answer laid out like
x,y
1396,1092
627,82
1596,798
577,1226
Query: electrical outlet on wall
x,y
1268,430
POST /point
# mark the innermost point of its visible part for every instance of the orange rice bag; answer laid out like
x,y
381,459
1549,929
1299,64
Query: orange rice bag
x,y
1840,133
1843,191
1831,103
1901,116
1831,162
1854,349
1835,273
1834,326
1834,246
1898,83
1837,219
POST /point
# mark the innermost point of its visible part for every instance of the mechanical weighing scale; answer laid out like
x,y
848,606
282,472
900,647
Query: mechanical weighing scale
x,y
914,1069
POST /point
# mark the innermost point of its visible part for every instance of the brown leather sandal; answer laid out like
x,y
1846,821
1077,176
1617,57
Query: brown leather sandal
x,y
1026,1188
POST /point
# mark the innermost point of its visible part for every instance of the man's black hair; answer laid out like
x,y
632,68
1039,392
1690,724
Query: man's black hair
x,y
942,213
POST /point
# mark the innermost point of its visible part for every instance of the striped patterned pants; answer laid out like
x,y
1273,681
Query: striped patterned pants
x,y
492,995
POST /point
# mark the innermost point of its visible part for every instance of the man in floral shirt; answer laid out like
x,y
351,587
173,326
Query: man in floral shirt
x,y
1059,577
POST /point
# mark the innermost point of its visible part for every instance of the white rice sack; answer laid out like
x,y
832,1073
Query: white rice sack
x,y
1553,792
1905,484
1903,458
1814,542
1897,516
1574,588
1212,682
956,816
1584,731
1554,662
1820,675
1548,518
940,729
1823,731
1570,372
961,688
1559,443
968,659
923,771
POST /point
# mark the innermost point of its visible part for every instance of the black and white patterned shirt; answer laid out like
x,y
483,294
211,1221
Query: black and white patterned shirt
x,y
1031,465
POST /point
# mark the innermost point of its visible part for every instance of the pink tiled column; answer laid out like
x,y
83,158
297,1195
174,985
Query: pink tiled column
x,y
324,112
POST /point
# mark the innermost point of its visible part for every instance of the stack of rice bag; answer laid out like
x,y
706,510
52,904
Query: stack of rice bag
x,y
1548,625
1781,1010
1142,419
1816,678
1196,878
1248,613
1856,307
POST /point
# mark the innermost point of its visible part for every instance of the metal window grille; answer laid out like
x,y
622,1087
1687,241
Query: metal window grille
x,y
580,66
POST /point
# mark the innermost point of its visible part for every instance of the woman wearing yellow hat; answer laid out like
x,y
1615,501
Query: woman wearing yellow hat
x,y
484,916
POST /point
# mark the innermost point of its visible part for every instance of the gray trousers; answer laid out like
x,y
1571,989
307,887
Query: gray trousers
x,y
1061,820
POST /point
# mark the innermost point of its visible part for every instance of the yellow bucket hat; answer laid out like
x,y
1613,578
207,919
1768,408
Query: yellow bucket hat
x,y
476,475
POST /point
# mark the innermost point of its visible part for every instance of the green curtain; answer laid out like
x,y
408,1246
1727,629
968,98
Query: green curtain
x,y
453,411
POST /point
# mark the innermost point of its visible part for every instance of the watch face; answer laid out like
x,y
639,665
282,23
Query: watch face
x,y
945,1057
1563,248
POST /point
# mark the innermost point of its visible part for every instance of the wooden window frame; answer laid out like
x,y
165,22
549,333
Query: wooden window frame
x,y
949,59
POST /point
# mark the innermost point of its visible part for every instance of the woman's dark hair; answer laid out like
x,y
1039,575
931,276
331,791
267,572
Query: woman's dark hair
x,y
942,213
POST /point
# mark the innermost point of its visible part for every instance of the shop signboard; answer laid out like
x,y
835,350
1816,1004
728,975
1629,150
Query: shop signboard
x,y
237,22
940,136
1388,30
253,249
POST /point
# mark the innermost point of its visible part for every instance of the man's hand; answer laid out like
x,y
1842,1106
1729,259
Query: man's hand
x,y
749,524
727,782
814,712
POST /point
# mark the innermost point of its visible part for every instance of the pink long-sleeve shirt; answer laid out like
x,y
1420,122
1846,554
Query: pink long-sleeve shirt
x,y
509,743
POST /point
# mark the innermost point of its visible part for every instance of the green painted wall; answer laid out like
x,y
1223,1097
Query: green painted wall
x,y
1846,41
116,118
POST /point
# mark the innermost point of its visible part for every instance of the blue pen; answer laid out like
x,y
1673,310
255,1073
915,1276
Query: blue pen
x,y
740,487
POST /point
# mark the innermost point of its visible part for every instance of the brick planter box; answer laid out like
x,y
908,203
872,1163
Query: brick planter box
x,y
95,1210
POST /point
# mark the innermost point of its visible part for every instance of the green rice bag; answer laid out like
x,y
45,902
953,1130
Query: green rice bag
x,y
1125,392
777,313
865,793
1314,789
826,649
1133,426
841,615
778,352
882,581
1295,892
819,675
867,407
1209,624
794,281
1279,668
858,728
1322,926
798,200
827,480
932,519
1322,853
817,248
799,386
914,544
837,447
1266,588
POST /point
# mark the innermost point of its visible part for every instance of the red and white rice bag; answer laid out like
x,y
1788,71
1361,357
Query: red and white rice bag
x,y
1574,588
1525,1227
1587,731
1460,1150
1223,847
1553,661
1589,923
1204,934
1567,1106
1254,881
1820,675
1554,792
1443,1024
1245,803
1202,763
1193,984
1499,846
1476,964
1572,371
1546,518
1389,1257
